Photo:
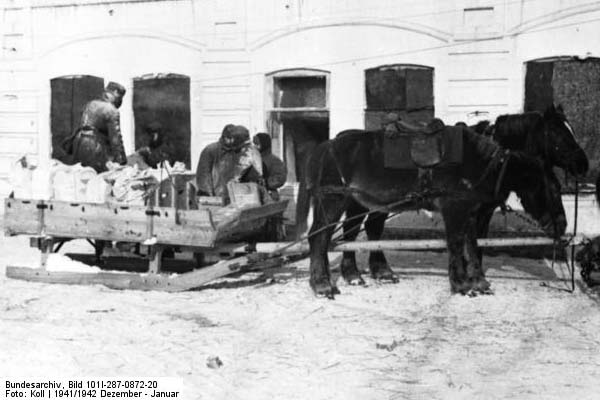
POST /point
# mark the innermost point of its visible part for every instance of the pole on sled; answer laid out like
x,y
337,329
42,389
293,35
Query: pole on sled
x,y
402,245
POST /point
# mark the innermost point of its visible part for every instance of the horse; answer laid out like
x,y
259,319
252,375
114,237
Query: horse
x,y
548,136
347,175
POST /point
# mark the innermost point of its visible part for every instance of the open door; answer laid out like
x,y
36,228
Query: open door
x,y
164,98
69,94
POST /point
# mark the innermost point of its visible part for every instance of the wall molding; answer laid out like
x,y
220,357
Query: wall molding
x,y
292,29
554,16
90,36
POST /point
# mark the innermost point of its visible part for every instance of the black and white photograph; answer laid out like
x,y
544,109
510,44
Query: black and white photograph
x,y
300,199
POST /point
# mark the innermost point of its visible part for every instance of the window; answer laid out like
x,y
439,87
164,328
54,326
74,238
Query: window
x,y
403,89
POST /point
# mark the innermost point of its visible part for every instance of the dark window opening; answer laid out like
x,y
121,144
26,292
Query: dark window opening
x,y
403,89
303,91
69,94
164,99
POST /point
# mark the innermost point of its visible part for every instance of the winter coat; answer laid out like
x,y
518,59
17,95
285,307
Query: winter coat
x,y
274,171
99,139
218,165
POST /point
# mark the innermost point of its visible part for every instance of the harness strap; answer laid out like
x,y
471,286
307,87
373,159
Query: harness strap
x,y
337,164
504,161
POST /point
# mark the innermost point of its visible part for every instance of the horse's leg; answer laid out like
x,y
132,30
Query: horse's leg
x,y
378,265
352,224
455,220
474,269
482,225
326,211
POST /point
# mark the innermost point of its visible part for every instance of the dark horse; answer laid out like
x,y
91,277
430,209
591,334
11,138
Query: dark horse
x,y
347,174
548,136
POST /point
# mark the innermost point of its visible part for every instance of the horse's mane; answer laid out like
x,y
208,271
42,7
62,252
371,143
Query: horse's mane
x,y
484,145
519,131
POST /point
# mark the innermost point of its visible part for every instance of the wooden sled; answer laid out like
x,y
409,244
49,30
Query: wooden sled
x,y
209,229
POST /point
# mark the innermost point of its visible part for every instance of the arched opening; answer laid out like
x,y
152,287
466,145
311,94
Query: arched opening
x,y
575,84
69,94
404,89
164,99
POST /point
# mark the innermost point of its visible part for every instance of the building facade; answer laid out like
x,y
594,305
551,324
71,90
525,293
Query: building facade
x,y
301,70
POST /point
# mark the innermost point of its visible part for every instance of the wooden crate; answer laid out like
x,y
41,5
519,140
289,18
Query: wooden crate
x,y
177,191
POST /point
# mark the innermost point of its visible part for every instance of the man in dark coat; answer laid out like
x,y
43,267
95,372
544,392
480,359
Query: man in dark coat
x,y
158,148
274,170
232,158
99,140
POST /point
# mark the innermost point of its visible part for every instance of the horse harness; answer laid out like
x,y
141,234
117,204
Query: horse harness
x,y
417,197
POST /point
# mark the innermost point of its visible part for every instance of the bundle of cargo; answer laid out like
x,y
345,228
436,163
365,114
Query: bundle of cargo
x,y
57,181
120,184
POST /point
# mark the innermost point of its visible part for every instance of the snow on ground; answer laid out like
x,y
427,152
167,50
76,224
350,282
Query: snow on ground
x,y
411,340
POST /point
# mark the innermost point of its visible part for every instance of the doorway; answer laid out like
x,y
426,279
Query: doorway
x,y
68,96
164,99
298,120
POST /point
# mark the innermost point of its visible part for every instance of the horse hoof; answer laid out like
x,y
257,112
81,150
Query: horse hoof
x,y
460,288
482,285
386,275
487,292
325,289
355,281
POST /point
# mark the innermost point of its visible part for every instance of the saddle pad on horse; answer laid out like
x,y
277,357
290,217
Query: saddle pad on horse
x,y
413,146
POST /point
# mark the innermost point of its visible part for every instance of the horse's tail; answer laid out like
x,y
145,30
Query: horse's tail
x,y
302,208
309,179
598,189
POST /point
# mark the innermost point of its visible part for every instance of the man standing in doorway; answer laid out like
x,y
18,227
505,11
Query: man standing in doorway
x,y
99,140
274,170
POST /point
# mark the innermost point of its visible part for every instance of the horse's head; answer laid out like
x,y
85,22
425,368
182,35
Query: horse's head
x,y
548,136
562,147
540,194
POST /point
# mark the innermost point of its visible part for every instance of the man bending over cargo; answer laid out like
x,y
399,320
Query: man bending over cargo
x,y
232,158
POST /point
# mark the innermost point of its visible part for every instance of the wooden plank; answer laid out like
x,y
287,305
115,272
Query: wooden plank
x,y
246,221
113,280
22,217
96,221
399,245
184,227
132,281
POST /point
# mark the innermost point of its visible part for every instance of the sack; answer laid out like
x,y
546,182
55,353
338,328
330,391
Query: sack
x,y
21,172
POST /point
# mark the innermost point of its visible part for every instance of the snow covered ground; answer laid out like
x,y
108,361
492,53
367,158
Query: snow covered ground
x,y
410,340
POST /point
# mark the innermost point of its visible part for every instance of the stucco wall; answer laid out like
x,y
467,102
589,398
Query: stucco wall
x,y
477,47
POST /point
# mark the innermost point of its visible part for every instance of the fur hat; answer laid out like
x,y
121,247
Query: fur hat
x,y
264,139
116,87
234,137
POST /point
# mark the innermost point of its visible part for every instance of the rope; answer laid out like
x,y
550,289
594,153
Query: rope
x,y
576,212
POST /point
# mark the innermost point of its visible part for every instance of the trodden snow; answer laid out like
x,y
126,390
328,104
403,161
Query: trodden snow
x,y
276,340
